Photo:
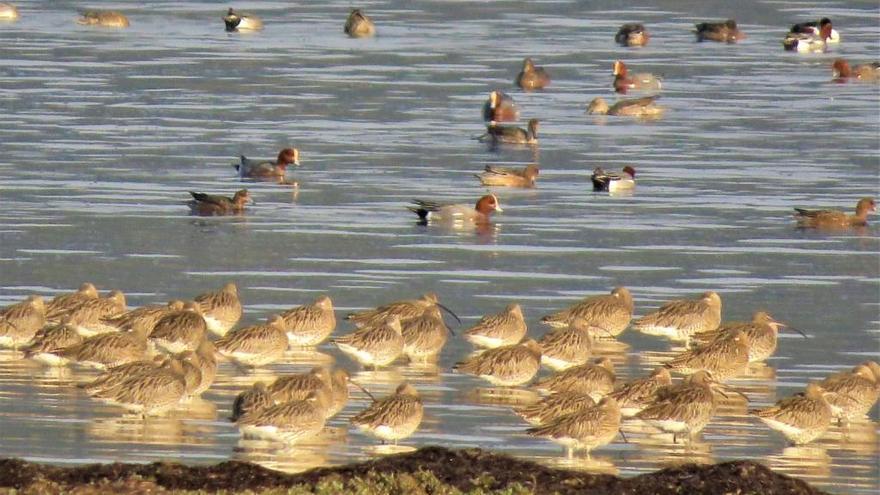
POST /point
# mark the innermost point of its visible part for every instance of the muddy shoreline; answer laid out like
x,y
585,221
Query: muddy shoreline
x,y
427,470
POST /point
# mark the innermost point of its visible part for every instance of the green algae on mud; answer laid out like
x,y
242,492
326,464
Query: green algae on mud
x,y
434,470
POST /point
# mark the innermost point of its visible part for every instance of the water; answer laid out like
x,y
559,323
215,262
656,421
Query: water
x,y
104,132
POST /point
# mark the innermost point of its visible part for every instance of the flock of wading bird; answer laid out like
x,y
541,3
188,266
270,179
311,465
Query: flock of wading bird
x,y
156,357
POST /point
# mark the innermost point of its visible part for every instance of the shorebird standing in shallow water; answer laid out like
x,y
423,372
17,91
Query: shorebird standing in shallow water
x,y
143,318
405,311
762,334
562,348
507,366
678,320
394,417
49,341
554,406
150,392
63,304
20,322
851,394
316,381
221,309
683,408
595,379
253,399
505,328
800,418
288,422
310,324
256,345
376,345
725,357
425,336
635,395
88,317
181,330
610,312
587,429
108,350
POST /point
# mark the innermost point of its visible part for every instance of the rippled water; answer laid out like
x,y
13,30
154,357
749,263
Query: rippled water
x,y
103,132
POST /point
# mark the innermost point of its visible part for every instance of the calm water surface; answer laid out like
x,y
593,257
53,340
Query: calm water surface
x,y
104,132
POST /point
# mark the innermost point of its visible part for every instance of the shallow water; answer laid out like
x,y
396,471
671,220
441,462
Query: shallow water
x,y
104,132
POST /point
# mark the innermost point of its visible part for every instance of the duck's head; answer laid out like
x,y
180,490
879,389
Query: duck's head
x,y
598,106
488,204
528,65
242,197
865,206
619,69
288,156
533,127
630,170
231,19
840,69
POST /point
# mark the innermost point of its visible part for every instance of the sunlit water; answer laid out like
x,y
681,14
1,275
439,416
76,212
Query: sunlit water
x,y
104,132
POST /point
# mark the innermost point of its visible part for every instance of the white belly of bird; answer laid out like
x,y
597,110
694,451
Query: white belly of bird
x,y
506,381
50,359
171,347
366,358
560,364
793,433
93,329
274,433
250,358
305,340
7,342
483,341
215,326
672,333
669,425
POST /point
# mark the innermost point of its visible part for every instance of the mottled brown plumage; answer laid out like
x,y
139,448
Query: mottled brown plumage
x,y
725,357
851,394
611,312
20,322
253,399
425,336
586,429
310,324
635,395
221,309
506,366
181,330
531,76
762,332
394,417
143,318
62,304
505,328
683,408
405,310
801,418
113,377
150,392
831,219
554,406
206,361
317,382
680,319
257,345
595,379
108,350
49,341
563,348
288,422
87,317
376,345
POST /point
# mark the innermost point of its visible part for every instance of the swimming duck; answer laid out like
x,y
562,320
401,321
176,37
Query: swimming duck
x,y
635,107
8,12
511,134
808,42
212,205
358,25
263,169
842,72
106,18
500,108
624,81
633,34
815,27
236,22
445,212
723,32
614,181
835,219
532,77
497,176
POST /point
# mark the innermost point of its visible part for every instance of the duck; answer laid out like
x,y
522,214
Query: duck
x,y
511,134
105,18
358,25
507,177
814,27
532,77
267,169
457,213
632,34
237,22
808,42
722,32
213,205
8,12
625,180
842,72
818,219
624,81
645,107
500,107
